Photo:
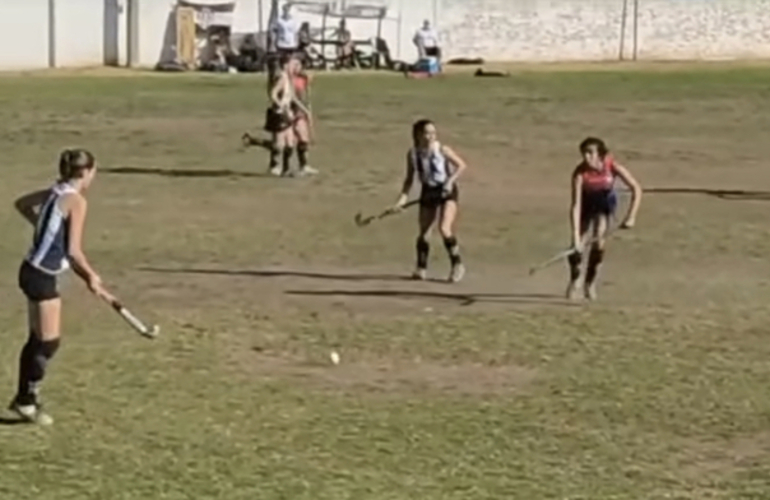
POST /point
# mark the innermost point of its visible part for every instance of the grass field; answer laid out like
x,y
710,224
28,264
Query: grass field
x,y
491,389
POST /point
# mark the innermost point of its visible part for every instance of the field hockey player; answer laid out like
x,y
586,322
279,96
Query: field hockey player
x,y
437,167
593,206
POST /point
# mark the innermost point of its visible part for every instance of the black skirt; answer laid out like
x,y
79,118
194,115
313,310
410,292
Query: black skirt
x,y
434,197
37,285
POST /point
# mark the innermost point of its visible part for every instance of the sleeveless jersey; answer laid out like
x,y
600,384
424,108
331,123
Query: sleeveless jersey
x,y
432,166
50,244
285,93
300,84
599,180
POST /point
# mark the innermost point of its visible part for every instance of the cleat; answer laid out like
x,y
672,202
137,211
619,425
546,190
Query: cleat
x,y
276,171
307,170
457,274
32,413
572,290
420,274
590,291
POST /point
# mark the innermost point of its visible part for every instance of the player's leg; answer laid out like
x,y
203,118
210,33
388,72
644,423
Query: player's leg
x,y
287,141
272,125
302,132
447,219
595,256
44,317
426,218
575,260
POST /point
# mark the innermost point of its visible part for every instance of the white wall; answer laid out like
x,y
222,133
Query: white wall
x,y
24,31
523,30
79,32
23,34
550,30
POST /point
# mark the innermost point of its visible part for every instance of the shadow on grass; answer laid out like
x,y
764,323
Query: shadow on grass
x,y
464,299
277,273
171,172
722,194
13,421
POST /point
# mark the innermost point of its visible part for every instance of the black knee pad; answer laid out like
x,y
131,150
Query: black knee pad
x,y
450,242
575,259
48,348
303,147
288,151
595,256
422,244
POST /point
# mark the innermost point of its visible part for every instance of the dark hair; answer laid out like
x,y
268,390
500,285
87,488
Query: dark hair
x,y
589,142
418,128
74,162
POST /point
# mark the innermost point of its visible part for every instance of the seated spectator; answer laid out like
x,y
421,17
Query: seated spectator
x,y
346,50
307,54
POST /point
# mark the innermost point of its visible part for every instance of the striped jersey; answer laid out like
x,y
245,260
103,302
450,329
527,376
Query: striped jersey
x,y
432,166
50,244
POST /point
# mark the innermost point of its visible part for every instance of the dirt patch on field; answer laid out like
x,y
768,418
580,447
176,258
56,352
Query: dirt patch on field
x,y
391,376
704,461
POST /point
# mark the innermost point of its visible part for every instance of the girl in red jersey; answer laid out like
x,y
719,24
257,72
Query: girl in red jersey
x,y
302,118
593,205
288,119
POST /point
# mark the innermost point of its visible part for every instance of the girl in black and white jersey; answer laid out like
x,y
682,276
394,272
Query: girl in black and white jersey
x,y
437,167
59,215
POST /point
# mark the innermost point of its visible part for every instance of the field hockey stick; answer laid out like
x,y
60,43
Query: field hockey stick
x,y
310,116
362,221
566,253
136,323
553,260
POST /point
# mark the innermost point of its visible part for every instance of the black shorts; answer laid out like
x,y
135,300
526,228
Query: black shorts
x,y
596,204
433,197
37,285
276,122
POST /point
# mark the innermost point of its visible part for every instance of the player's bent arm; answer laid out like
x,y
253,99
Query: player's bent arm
x,y
636,191
457,161
406,188
575,207
277,87
77,217
28,205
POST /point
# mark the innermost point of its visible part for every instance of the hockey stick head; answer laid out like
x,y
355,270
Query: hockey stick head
x,y
152,332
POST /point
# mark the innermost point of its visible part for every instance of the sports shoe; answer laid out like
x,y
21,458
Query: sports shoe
x,y
457,273
420,274
572,289
589,290
276,171
307,170
32,413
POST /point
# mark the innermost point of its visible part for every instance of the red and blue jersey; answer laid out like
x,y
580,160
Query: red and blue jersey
x,y
600,180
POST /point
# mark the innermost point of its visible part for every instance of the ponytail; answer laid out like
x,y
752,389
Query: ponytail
x,y
73,163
